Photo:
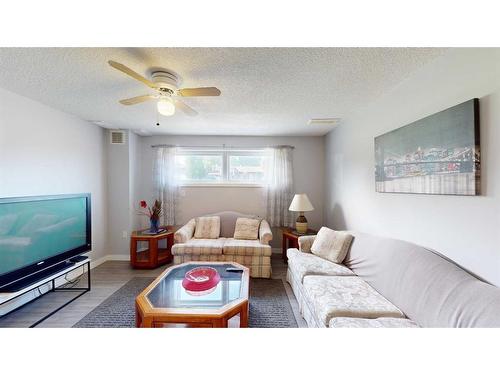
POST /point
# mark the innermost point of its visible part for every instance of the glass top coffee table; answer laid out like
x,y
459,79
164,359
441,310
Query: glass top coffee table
x,y
165,302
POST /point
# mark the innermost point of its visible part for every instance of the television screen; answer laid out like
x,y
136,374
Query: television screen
x,y
36,232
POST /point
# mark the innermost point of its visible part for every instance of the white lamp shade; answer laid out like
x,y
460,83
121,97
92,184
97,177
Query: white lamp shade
x,y
301,203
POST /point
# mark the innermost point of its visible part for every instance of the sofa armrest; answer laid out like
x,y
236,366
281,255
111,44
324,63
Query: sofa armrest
x,y
186,232
305,243
265,234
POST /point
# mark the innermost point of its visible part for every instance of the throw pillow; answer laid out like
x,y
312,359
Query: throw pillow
x,y
207,227
246,229
331,245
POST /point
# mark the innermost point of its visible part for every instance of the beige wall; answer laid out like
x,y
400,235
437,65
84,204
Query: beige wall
x,y
308,157
466,229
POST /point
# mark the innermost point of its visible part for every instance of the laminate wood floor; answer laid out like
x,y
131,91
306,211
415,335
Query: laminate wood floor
x,y
107,278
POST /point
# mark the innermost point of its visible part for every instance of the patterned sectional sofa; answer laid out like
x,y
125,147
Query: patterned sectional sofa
x,y
388,283
254,254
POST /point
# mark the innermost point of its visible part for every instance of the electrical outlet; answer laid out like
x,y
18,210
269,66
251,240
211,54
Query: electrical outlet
x,y
124,234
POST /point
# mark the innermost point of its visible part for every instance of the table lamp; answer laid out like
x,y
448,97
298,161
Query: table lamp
x,y
301,203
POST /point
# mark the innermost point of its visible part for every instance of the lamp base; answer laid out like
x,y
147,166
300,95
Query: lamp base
x,y
301,224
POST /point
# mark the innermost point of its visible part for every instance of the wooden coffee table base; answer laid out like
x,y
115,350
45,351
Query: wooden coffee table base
x,y
193,321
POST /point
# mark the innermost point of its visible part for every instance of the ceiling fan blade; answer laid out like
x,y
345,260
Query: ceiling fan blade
x,y
137,99
200,91
131,73
185,108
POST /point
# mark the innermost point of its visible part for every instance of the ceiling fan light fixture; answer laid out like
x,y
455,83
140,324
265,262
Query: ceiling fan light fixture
x,y
166,84
165,107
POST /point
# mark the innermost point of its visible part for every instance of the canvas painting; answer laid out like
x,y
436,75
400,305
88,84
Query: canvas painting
x,y
439,154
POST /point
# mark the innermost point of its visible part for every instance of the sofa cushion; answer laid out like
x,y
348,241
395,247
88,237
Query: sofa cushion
x,y
197,246
246,229
292,252
331,245
346,296
430,289
228,221
305,243
207,227
371,323
304,264
246,247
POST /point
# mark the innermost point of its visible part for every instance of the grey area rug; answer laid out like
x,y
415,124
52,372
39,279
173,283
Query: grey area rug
x,y
269,306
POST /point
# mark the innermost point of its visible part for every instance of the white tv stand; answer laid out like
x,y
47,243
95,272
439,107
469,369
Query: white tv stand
x,y
52,282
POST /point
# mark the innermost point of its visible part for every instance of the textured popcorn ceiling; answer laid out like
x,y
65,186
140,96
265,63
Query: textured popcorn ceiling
x,y
265,91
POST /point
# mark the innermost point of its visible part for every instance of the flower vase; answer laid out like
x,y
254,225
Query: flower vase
x,y
154,228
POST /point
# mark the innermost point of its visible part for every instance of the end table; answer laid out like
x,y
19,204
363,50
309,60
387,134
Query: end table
x,y
291,239
145,252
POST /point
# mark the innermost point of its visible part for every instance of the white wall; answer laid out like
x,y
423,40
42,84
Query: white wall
x,y
134,178
123,182
466,229
118,181
44,151
308,158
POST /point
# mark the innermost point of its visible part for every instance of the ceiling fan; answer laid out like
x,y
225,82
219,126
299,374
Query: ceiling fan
x,y
167,91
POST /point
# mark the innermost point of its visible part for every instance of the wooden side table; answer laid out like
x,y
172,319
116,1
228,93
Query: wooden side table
x,y
152,256
291,239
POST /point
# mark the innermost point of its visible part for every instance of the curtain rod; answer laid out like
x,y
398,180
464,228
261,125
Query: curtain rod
x,y
225,147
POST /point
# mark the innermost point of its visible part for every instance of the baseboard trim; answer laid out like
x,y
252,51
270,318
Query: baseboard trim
x,y
119,257
98,262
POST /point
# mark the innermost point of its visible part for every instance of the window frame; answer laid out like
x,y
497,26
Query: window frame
x,y
225,154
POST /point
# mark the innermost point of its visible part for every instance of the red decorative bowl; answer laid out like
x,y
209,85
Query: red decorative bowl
x,y
201,279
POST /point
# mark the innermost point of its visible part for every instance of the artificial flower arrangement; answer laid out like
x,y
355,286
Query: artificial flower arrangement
x,y
153,212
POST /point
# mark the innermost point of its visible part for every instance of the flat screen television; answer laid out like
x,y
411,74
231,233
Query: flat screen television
x,y
38,234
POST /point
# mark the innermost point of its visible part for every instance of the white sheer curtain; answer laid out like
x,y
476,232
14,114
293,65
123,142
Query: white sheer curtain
x,y
280,186
165,182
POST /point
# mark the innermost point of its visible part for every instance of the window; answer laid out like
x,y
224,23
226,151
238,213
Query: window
x,y
199,167
247,167
238,167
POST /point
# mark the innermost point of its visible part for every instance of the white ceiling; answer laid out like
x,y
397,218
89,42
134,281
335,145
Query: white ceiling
x,y
265,91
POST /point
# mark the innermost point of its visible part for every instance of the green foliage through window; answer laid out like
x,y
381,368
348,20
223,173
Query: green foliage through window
x,y
232,166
